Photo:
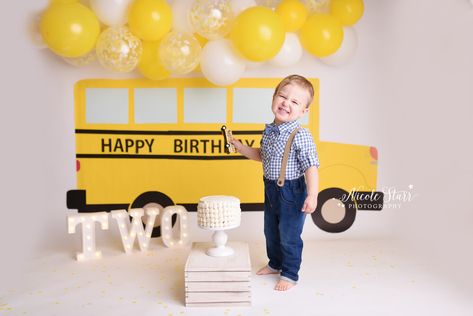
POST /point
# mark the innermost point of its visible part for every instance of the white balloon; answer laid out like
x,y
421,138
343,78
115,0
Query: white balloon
x,y
346,50
241,5
219,63
111,12
290,53
180,21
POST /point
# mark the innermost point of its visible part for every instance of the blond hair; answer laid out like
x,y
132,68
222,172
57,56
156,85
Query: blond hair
x,y
298,80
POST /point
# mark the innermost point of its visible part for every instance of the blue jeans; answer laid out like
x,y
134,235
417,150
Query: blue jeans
x,y
283,223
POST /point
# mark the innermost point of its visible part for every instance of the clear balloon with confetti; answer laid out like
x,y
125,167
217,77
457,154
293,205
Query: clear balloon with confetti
x,y
268,3
317,6
118,49
211,18
179,52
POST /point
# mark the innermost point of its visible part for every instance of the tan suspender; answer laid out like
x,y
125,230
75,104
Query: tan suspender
x,y
282,175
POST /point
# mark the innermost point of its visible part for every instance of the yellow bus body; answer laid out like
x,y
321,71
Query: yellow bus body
x,y
186,160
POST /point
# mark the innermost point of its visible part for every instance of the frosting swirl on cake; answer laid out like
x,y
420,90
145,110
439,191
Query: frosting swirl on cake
x,y
219,211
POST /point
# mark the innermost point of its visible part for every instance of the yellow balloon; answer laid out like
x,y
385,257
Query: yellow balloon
x,y
321,35
202,40
347,11
293,14
258,33
150,65
150,20
69,29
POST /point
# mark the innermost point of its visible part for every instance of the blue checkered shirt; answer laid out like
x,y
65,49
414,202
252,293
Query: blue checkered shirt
x,y
303,152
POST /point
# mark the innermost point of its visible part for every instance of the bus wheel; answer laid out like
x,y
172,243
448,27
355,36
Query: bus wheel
x,y
154,199
332,214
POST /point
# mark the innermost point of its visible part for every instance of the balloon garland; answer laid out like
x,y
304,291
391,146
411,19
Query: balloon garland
x,y
224,37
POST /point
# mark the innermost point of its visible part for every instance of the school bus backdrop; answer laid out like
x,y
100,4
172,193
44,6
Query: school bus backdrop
x,y
142,143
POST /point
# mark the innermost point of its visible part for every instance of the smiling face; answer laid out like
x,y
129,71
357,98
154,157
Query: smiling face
x,y
290,103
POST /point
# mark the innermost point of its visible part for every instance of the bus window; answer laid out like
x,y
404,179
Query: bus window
x,y
106,106
155,105
256,101
205,105
252,105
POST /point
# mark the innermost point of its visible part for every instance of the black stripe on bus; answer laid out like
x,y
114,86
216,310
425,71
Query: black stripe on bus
x,y
190,207
126,132
245,207
181,157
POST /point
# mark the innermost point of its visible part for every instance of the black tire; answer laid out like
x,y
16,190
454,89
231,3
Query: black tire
x,y
350,211
154,197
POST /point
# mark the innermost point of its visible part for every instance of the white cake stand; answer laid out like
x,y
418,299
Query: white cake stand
x,y
219,237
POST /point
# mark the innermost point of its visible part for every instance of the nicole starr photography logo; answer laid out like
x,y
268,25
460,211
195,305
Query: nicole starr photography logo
x,y
394,198
388,197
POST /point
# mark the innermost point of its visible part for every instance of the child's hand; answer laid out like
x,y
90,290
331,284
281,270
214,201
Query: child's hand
x,y
235,142
310,204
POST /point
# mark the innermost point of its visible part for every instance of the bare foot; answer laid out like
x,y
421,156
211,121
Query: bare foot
x,y
283,285
266,270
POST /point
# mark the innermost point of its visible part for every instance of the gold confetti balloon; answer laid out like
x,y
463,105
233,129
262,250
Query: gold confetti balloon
x,y
317,6
179,52
118,49
211,19
268,3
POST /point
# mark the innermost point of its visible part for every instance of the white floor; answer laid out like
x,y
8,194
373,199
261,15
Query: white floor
x,y
339,277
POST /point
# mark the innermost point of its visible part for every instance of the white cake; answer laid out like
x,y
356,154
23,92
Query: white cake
x,y
218,211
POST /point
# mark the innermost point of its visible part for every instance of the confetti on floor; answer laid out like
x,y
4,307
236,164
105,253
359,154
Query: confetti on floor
x,y
136,283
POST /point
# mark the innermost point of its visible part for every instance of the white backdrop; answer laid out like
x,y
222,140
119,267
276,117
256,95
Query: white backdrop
x,y
408,91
